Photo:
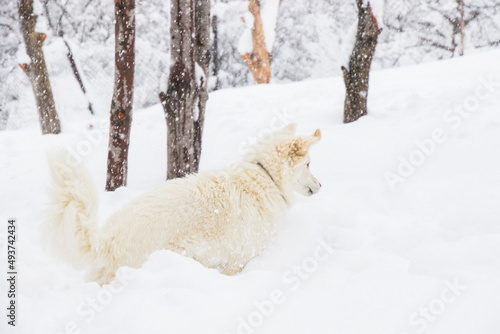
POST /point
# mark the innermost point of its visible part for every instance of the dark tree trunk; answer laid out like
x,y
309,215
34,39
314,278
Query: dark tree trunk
x,y
36,70
185,100
356,77
215,52
77,75
462,26
202,58
123,93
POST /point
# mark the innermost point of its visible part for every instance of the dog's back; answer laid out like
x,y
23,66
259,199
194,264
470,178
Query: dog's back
x,y
222,219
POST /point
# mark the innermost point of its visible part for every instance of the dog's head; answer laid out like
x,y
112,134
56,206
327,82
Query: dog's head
x,y
297,150
286,157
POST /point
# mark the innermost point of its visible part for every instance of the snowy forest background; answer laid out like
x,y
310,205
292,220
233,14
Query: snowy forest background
x,y
312,40
407,217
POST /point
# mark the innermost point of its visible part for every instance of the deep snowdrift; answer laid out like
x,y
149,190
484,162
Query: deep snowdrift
x,y
404,236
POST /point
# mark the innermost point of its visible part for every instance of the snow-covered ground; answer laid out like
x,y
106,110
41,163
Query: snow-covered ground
x,y
404,236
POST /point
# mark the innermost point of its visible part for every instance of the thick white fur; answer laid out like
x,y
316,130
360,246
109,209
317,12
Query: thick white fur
x,y
220,218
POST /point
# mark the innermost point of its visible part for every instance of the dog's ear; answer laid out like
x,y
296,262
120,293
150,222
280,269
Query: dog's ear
x,y
299,147
316,137
289,130
306,142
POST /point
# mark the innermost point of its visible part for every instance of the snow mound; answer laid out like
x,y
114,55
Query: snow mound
x,y
403,237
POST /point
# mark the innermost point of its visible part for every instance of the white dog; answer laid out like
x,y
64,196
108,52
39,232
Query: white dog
x,y
220,218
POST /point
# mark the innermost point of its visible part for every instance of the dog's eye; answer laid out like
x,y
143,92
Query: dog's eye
x,y
308,164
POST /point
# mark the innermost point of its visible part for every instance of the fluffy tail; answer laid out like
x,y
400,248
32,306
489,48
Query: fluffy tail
x,y
70,222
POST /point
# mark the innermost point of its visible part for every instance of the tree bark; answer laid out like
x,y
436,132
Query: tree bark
x,y
356,77
202,58
77,75
258,61
185,100
215,52
36,70
123,93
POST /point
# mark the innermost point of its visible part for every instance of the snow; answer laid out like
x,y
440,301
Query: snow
x,y
199,74
245,44
378,11
269,14
361,256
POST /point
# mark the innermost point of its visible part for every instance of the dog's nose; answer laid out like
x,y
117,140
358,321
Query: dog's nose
x,y
319,184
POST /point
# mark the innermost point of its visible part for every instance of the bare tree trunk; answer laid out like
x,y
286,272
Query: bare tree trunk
x,y
36,70
186,96
59,31
215,52
462,26
77,75
356,77
123,93
202,58
258,60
